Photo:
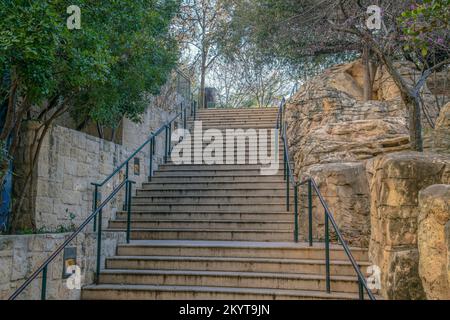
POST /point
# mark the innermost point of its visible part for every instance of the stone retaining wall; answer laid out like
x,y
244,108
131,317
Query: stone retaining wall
x,y
21,255
70,161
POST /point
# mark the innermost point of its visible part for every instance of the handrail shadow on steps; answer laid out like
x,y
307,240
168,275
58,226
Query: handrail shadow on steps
x,y
97,208
291,180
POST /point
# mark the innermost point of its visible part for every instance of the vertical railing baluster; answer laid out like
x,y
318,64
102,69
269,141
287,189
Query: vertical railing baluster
x,y
129,189
310,213
195,110
360,289
296,213
166,152
150,168
127,173
99,246
288,192
169,151
44,284
94,204
327,252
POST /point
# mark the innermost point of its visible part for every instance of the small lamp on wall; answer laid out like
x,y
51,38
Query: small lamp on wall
x,y
137,167
69,259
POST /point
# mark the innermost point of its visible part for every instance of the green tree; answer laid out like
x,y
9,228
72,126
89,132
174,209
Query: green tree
x,y
294,30
123,51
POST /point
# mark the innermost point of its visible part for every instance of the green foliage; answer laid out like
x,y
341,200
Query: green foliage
x,y
62,228
289,31
123,51
425,27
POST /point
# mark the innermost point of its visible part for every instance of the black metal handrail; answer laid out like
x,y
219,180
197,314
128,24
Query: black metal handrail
x,y
44,266
97,209
291,180
151,140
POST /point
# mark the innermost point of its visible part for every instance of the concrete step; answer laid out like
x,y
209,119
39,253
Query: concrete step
x,y
201,224
249,112
224,126
269,122
212,199
253,151
205,215
202,207
231,264
209,173
230,185
148,292
269,234
227,119
215,179
218,111
229,192
244,249
261,280
211,167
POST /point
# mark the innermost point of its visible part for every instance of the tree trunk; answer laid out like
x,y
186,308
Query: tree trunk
x,y
414,122
367,77
202,102
412,103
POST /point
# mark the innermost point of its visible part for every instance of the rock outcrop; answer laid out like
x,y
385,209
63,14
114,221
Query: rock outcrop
x,y
433,241
358,153
346,189
331,134
395,182
441,133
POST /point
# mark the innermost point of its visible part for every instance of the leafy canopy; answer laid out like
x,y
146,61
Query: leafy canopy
x,y
123,50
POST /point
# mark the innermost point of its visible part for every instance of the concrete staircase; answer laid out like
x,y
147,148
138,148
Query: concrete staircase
x,y
219,232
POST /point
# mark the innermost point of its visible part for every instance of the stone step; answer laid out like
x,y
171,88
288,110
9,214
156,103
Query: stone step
x,y
232,264
229,192
205,215
269,122
234,117
211,167
269,118
250,112
202,224
215,179
201,207
148,292
211,234
251,115
230,185
252,151
209,173
224,126
219,111
261,280
210,199
244,249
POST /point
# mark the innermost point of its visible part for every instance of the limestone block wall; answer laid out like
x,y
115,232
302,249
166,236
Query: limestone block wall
x,y
345,188
69,162
21,255
395,181
434,240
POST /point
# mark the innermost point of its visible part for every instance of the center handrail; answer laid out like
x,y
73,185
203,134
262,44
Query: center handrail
x,y
290,179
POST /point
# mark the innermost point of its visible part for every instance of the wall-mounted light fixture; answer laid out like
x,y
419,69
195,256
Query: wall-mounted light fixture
x,y
69,259
137,166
